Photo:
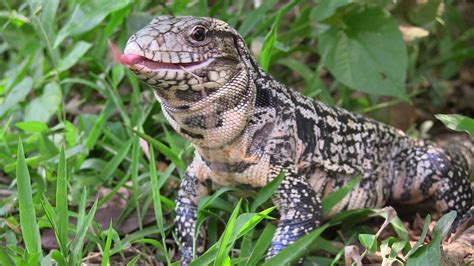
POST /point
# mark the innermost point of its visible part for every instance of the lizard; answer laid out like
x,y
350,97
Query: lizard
x,y
246,128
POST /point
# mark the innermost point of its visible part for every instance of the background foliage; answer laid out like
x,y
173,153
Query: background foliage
x,y
85,151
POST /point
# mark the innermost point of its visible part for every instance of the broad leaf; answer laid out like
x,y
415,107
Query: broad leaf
x,y
42,108
430,254
17,94
327,8
73,56
86,16
458,123
367,52
32,126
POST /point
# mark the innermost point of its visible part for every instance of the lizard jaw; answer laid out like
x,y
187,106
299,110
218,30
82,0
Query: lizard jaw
x,y
133,60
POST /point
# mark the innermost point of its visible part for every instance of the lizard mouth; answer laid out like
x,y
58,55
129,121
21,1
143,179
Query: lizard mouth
x,y
137,60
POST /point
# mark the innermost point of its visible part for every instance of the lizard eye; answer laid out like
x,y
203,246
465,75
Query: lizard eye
x,y
198,34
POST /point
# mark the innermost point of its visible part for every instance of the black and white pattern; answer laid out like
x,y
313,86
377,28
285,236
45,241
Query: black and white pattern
x,y
247,127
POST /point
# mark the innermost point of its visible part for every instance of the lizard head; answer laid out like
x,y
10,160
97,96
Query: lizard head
x,y
184,58
201,72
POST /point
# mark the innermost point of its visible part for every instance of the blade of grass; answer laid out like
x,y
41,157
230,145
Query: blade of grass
x,y
134,177
420,241
5,258
133,261
246,248
266,192
112,165
78,241
224,245
247,221
52,218
5,127
98,126
113,94
207,257
114,191
29,226
62,219
295,250
161,147
263,242
271,37
108,243
335,197
156,201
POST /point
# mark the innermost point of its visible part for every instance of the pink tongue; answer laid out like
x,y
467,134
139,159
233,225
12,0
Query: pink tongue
x,y
130,59
124,59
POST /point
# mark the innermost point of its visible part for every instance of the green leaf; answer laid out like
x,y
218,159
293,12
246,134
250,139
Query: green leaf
x,y
5,127
207,257
225,241
134,177
178,6
108,243
58,257
255,16
50,213
76,53
420,241
45,24
430,254
5,258
267,192
114,163
161,147
86,16
29,227
62,219
83,226
155,187
98,126
369,241
458,123
327,8
70,133
295,250
367,52
32,126
42,108
133,261
424,12
116,21
271,37
335,197
17,94
247,221
263,242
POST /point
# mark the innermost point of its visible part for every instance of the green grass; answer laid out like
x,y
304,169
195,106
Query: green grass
x,y
80,135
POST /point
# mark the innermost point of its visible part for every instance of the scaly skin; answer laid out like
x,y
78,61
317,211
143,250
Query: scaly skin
x,y
247,127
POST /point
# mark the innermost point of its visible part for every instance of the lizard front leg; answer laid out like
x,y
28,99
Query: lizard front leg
x,y
190,191
300,211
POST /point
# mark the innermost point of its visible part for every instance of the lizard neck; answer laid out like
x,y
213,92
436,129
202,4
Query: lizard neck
x,y
218,124
219,119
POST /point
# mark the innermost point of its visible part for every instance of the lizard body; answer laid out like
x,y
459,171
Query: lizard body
x,y
247,127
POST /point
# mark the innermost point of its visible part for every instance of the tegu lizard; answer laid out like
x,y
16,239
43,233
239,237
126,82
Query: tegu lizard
x,y
247,127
